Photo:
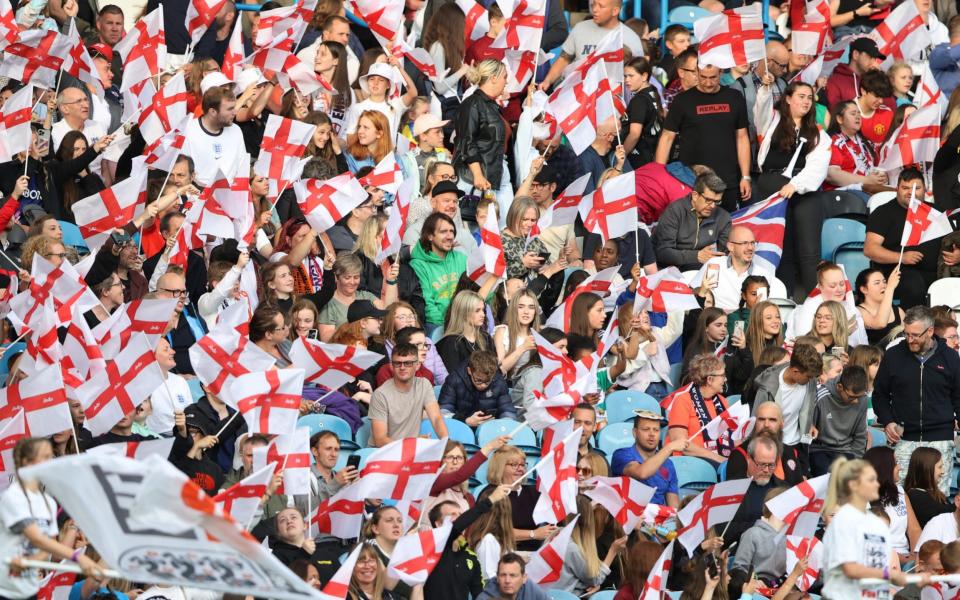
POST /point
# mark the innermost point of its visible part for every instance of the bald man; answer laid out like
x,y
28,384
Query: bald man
x,y
602,154
770,420
725,274
74,105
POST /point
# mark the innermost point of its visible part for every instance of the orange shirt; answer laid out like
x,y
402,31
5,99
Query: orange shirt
x,y
683,416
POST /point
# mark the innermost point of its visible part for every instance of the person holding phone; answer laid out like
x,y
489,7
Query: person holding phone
x,y
725,276
525,257
325,448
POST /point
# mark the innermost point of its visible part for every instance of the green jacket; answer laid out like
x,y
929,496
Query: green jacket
x,y
438,279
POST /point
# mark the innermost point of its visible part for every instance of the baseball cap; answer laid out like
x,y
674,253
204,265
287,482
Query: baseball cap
x,y
101,50
362,309
212,80
648,415
377,69
196,418
249,76
868,46
446,187
546,175
426,122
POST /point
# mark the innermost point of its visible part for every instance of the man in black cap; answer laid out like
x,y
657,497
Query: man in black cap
x,y
844,83
444,198
189,451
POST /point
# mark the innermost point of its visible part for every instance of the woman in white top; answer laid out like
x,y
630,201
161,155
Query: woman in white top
x,y
225,283
582,566
904,527
377,84
171,397
513,339
491,535
856,544
649,370
443,38
28,525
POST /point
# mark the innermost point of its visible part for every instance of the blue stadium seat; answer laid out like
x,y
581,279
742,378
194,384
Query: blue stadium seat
x,y
436,391
877,437
456,430
733,399
364,454
622,403
525,438
686,15
615,436
675,371
722,471
9,352
850,256
694,474
362,437
325,422
839,231
72,236
561,595
195,388
604,595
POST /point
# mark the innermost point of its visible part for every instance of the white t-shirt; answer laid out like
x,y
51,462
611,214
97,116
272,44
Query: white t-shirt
x,y
18,509
585,36
225,150
790,398
92,130
729,283
941,527
898,523
174,395
391,108
488,551
854,537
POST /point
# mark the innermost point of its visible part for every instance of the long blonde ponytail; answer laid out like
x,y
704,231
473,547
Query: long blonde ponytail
x,y
842,472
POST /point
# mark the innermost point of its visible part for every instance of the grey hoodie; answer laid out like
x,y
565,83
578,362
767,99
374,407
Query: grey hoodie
x,y
841,427
767,385
764,550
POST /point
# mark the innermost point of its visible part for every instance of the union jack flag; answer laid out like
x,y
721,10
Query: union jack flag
x,y
765,219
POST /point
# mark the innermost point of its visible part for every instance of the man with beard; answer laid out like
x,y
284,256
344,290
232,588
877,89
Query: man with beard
x,y
769,422
764,453
648,465
214,141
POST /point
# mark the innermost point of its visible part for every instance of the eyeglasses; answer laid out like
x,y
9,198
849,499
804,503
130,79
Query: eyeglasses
x,y
686,70
783,66
751,243
79,101
424,345
454,458
516,465
584,471
175,293
452,178
402,364
724,375
914,336
766,466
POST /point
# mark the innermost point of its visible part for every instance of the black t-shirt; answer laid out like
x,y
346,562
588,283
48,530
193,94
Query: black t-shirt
x,y
887,221
644,108
706,125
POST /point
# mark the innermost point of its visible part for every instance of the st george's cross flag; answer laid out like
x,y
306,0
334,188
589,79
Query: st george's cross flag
x,y
732,38
325,202
665,290
624,498
331,365
557,480
717,504
404,469
924,223
902,36
800,506
545,565
242,499
268,400
810,548
416,554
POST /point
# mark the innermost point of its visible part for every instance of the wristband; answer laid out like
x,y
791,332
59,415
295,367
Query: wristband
x,y
76,554
391,282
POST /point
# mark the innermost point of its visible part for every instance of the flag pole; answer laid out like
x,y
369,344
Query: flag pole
x,y
913,191
26,331
227,424
616,128
65,567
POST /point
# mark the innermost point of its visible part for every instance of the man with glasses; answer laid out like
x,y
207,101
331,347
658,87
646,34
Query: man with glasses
x,y
724,275
692,229
477,392
769,421
916,394
840,420
649,464
187,326
686,78
764,454
397,406
793,387
946,330
74,106
418,338
711,124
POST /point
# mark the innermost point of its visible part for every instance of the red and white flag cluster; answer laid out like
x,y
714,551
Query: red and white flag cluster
x,y
489,261
902,36
324,203
718,504
732,38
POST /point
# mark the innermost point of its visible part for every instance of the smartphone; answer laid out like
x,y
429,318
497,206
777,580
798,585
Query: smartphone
x,y
120,239
738,328
544,256
353,461
311,334
713,274
712,566
761,294
837,351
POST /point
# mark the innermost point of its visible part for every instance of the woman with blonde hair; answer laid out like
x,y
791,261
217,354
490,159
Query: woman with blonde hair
x,y
479,158
856,544
505,467
523,258
372,141
369,580
582,566
513,339
830,326
465,333
451,484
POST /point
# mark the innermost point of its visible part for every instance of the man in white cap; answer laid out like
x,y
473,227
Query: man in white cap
x,y
213,140
428,131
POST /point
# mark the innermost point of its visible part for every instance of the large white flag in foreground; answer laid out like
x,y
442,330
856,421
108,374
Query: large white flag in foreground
x,y
153,524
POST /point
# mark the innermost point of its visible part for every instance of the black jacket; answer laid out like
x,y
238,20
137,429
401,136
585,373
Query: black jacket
x,y
461,398
325,557
61,172
481,134
457,575
196,273
924,397
408,284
